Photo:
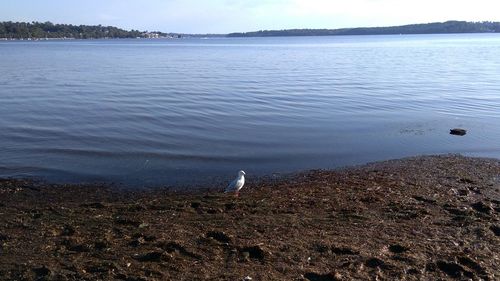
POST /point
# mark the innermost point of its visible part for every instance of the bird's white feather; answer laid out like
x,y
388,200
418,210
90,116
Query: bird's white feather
x,y
237,183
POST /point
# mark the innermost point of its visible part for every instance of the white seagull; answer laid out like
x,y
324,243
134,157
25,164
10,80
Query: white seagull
x,y
236,184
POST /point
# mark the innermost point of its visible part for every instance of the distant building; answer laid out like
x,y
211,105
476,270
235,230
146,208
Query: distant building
x,y
151,35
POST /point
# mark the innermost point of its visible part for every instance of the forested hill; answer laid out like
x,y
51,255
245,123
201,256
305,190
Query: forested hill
x,y
428,28
25,30
42,30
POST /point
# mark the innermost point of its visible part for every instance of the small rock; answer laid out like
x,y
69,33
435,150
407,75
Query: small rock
x,y
458,132
248,278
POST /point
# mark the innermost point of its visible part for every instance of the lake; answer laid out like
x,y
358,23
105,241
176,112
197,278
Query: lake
x,y
195,111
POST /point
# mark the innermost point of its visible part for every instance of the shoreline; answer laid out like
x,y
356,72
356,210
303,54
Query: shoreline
x,y
424,217
216,183
226,36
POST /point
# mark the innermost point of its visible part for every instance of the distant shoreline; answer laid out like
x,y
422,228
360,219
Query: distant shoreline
x,y
449,27
77,39
49,31
226,37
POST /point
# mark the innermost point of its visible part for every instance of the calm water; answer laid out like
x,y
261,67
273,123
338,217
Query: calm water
x,y
148,113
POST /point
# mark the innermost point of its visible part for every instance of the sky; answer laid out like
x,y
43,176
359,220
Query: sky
x,y
224,16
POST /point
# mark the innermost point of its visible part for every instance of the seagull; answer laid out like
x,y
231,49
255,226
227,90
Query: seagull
x,y
236,184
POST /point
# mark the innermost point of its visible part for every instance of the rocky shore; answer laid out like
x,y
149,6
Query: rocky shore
x,y
421,218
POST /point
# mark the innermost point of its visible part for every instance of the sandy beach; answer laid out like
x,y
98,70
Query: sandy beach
x,y
420,218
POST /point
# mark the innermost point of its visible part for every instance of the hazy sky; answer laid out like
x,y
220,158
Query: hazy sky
x,y
223,16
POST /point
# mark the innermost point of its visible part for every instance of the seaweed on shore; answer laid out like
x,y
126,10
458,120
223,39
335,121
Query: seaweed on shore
x,y
420,218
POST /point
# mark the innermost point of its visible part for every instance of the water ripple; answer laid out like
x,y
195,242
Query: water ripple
x,y
158,112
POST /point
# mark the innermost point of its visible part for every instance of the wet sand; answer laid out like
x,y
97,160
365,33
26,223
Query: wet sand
x,y
421,218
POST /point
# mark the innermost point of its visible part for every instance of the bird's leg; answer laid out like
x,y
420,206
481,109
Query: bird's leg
x,y
237,194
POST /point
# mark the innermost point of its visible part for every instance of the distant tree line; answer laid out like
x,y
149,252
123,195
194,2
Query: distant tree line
x,y
25,30
41,30
429,28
